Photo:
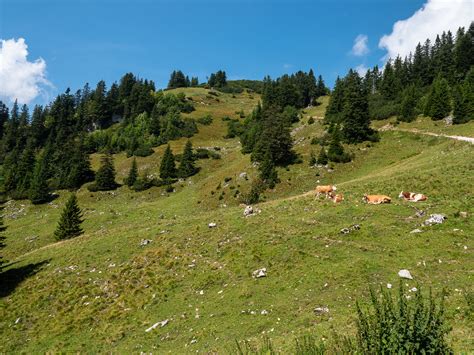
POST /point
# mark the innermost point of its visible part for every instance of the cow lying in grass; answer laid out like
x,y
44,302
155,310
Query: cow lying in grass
x,y
411,196
336,198
325,189
376,199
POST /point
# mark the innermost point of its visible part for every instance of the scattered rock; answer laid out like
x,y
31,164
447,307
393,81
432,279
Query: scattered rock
x,y
158,324
17,320
260,273
212,225
448,120
389,285
416,231
194,341
321,310
145,242
243,175
435,219
414,289
248,211
354,227
463,214
264,312
405,274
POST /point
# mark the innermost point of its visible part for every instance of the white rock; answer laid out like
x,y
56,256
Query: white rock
x,y
416,231
321,310
389,285
248,211
405,274
145,242
260,273
435,219
201,292
160,324
264,312
212,225
414,289
17,320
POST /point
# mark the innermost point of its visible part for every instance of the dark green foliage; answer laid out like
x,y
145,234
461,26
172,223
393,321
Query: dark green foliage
x,y
311,120
268,173
80,168
355,113
186,166
403,326
312,159
322,157
105,176
206,120
336,152
202,153
218,79
132,174
168,165
143,183
234,128
39,190
253,196
408,105
464,100
178,80
438,105
69,225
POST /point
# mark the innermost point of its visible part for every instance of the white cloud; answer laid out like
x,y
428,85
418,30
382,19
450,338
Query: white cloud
x,y
19,78
361,69
360,47
433,18
287,66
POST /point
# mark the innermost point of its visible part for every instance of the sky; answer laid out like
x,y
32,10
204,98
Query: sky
x,y
47,46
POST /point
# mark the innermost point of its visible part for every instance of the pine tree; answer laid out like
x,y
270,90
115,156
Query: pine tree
x,y
132,174
69,225
39,190
186,167
105,176
322,157
355,114
81,171
168,165
268,173
336,150
464,100
312,159
438,105
409,100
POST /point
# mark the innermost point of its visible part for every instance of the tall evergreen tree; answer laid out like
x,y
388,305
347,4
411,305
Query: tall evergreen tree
x,y
39,190
409,100
322,157
464,100
105,176
186,166
168,165
69,225
80,171
438,105
268,173
355,113
2,237
132,174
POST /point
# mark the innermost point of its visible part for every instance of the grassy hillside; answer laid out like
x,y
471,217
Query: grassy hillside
x,y
101,291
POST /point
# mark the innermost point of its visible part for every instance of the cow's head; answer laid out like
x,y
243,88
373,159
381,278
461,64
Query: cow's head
x,y
365,198
402,195
334,188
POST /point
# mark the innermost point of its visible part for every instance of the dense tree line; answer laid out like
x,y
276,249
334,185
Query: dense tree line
x,y
179,80
217,79
49,148
433,80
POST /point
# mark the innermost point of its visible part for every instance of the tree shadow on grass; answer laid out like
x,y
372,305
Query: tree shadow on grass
x,y
11,278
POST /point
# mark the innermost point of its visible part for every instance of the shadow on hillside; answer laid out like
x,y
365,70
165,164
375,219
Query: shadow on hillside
x,y
11,278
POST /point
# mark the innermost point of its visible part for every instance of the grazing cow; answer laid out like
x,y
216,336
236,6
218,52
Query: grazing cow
x,y
376,199
412,196
325,189
336,198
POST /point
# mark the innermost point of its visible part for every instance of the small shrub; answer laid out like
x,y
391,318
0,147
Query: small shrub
x,y
311,120
227,179
206,120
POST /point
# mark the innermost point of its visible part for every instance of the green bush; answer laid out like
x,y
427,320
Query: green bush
x,y
206,120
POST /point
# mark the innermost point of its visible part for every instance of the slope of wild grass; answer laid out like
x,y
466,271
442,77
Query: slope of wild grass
x,y
101,291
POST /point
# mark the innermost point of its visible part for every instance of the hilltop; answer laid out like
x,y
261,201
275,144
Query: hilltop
x,y
103,289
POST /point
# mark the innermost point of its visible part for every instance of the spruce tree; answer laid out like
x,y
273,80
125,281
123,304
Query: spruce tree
x,y
186,167
464,100
168,165
322,157
81,171
69,225
39,190
438,105
336,150
105,176
407,108
132,174
268,173
2,237
355,113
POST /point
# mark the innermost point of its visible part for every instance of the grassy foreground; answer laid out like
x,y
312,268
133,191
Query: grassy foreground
x,y
101,291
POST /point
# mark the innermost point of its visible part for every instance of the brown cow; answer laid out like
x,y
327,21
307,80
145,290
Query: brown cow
x,y
336,198
376,199
325,189
412,196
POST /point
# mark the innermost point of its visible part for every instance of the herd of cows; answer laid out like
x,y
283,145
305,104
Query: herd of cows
x,y
329,192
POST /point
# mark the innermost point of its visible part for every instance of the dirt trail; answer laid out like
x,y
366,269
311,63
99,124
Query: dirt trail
x,y
414,130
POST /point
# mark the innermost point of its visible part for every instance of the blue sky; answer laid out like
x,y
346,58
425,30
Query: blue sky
x,y
86,41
